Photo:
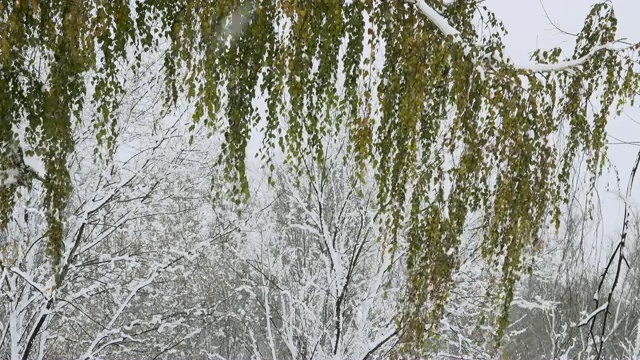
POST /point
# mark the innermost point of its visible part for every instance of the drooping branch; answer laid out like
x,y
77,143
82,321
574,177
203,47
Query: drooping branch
x,y
443,25
566,65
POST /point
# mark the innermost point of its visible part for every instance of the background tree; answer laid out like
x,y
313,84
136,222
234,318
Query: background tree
x,y
133,228
321,286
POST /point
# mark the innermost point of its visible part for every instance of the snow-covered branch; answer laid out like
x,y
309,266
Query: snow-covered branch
x,y
31,282
595,313
438,20
569,64
448,30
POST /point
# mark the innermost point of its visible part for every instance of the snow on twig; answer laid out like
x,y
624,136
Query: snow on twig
x,y
443,25
31,282
595,313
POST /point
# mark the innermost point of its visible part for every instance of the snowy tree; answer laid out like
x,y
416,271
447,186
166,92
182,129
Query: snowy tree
x,y
317,282
134,228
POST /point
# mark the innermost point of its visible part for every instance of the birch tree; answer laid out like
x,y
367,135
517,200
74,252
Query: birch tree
x,y
450,124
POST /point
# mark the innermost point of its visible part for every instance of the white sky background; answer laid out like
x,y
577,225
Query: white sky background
x,y
529,28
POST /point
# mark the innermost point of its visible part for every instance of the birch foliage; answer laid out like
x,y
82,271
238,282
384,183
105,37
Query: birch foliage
x,y
451,126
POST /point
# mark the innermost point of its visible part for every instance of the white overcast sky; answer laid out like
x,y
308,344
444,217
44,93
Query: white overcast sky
x,y
529,28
